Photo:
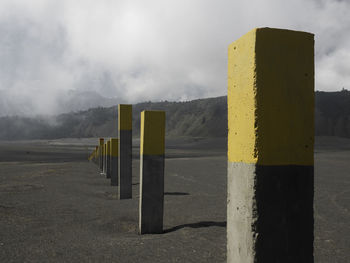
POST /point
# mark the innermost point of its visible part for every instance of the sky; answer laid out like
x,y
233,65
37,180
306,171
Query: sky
x,y
137,50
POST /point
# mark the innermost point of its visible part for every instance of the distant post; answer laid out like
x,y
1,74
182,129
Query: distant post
x,y
100,153
96,155
270,147
152,148
114,161
125,151
104,158
108,159
92,156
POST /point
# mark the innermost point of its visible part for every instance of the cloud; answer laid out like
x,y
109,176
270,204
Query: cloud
x,y
148,50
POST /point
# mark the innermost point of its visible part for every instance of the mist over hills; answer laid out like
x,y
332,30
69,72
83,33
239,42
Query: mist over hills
x,y
65,101
197,118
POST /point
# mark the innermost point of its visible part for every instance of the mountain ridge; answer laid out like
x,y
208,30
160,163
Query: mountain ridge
x,y
196,118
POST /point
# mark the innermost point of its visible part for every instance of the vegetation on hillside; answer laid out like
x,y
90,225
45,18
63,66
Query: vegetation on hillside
x,y
199,118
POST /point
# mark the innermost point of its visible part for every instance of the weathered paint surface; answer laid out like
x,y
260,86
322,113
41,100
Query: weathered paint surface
x,y
125,151
152,138
114,147
105,158
266,67
100,152
114,161
108,159
124,117
108,149
241,99
96,154
270,147
152,148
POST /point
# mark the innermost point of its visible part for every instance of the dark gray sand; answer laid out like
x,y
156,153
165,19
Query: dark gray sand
x,y
56,207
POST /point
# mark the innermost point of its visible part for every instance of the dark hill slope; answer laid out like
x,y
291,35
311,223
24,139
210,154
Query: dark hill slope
x,y
332,113
199,118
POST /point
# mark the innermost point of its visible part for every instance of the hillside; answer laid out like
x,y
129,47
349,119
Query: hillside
x,y
332,113
199,118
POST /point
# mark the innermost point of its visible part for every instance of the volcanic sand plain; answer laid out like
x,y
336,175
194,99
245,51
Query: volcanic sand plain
x,y
55,206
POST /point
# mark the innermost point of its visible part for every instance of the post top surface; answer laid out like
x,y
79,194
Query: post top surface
x,y
271,97
152,140
125,117
114,147
273,31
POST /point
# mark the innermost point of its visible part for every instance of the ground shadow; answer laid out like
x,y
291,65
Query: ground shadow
x,y
196,225
176,193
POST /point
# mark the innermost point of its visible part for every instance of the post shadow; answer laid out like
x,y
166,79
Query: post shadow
x,y
176,193
196,225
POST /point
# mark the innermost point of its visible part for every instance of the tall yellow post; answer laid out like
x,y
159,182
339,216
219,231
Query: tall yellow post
x,y
108,159
96,155
125,151
105,158
100,153
114,161
152,148
270,147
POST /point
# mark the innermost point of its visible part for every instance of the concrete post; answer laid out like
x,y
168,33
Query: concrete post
x,y
125,151
105,158
114,161
270,147
108,159
91,157
96,155
100,153
152,147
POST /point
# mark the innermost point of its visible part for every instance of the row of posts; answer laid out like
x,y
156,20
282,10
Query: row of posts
x,y
270,184
114,158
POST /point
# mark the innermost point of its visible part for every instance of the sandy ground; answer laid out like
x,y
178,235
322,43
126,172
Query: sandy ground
x,y
56,207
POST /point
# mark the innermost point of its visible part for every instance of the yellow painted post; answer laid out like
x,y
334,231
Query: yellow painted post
x,y
270,147
125,151
152,148
108,159
101,142
91,156
97,160
96,155
114,161
105,158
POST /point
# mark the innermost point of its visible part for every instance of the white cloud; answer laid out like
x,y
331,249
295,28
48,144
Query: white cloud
x,y
150,50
